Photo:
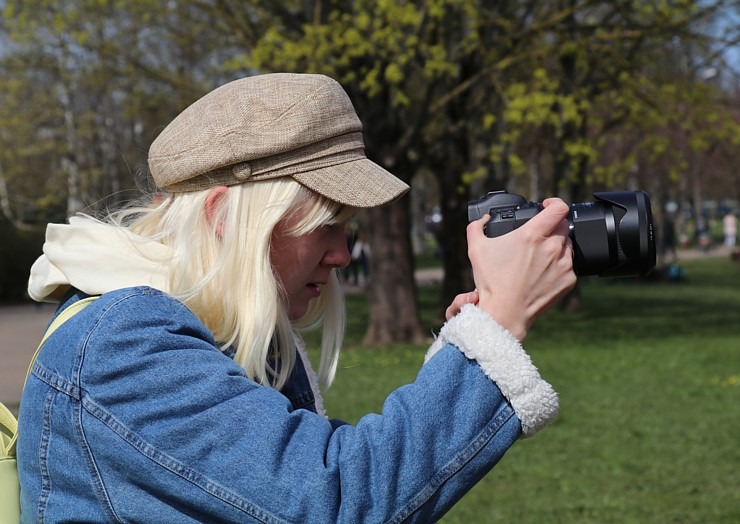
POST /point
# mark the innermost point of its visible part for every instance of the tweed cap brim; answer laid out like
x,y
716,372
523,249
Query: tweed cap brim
x,y
270,126
359,183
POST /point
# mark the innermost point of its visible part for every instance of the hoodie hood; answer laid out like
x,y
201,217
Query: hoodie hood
x,y
96,258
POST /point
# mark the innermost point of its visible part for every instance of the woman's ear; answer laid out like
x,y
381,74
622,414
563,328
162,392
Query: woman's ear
x,y
214,200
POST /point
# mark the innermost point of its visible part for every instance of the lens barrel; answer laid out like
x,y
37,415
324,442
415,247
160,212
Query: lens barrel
x,y
613,237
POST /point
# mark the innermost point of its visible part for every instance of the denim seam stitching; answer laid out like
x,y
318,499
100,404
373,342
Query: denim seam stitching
x,y
174,466
44,445
137,292
455,465
92,467
96,478
55,381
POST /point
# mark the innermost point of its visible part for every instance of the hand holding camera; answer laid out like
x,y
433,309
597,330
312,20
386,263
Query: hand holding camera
x,y
520,275
534,250
612,237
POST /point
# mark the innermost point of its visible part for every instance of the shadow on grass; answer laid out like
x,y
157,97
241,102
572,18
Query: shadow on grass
x,y
615,311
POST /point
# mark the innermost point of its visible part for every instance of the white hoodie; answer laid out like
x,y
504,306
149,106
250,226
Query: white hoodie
x,y
95,258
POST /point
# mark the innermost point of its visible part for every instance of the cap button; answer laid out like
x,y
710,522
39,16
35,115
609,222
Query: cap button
x,y
242,171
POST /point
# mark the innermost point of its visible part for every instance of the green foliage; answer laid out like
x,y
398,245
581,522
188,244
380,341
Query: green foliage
x,y
372,44
470,177
533,83
648,377
82,93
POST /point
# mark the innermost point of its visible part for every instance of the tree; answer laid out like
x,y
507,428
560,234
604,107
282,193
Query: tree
x,y
538,96
376,50
98,93
421,74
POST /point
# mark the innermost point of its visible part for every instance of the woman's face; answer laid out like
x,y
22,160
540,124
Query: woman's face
x,y
303,264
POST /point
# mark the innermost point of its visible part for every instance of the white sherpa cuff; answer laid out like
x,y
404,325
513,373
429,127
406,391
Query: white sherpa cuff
x,y
505,362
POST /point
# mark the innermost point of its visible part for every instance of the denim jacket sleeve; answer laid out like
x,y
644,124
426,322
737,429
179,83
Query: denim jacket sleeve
x,y
168,429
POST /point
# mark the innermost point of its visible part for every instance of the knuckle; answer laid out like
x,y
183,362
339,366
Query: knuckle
x,y
553,247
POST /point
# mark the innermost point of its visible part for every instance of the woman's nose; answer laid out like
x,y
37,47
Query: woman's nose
x,y
337,255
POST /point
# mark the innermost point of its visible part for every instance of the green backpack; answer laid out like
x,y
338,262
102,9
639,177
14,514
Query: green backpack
x,y
10,508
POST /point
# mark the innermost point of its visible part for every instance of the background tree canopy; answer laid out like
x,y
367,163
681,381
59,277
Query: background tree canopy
x,y
457,97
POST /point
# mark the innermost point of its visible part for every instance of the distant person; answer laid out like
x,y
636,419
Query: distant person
x,y
360,254
729,226
184,392
703,239
668,245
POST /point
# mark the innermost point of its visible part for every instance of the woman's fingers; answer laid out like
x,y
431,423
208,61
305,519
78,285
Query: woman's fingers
x,y
459,301
550,219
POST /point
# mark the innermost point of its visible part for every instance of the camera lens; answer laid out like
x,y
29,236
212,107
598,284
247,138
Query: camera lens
x,y
613,236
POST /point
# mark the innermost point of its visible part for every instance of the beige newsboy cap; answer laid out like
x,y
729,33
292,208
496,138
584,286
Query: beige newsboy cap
x,y
270,126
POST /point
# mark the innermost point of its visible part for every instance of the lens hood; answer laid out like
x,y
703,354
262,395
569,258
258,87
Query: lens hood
x,y
634,237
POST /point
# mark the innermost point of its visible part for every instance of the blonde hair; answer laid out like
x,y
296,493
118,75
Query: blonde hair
x,y
221,270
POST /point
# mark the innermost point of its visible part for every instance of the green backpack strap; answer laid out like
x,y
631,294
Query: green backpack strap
x,y
8,423
10,506
8,430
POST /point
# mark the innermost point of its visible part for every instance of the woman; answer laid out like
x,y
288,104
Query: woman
x,y
183,392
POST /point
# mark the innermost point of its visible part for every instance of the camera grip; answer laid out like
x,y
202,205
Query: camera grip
x,y
507,220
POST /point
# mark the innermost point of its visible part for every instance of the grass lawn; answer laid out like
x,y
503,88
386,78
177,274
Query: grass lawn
x,y
649,427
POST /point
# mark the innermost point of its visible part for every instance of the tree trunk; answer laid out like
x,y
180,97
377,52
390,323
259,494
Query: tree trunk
x,y
69,162
458,275
4,199
394,314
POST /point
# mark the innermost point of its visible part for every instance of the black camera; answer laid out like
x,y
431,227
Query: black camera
x,y
612,237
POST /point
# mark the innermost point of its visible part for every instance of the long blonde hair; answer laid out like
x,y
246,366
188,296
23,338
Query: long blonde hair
x,y
221,270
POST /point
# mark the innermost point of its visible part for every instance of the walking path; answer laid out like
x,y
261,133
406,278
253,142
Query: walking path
x,y
21,329
22,326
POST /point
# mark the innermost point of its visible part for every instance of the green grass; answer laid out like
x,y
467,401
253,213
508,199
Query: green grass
x,y
649,427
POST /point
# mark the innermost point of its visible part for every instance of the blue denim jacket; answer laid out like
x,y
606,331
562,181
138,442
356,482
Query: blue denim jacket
x,y
132,414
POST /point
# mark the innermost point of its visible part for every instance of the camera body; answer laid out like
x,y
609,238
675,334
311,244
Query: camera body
x,y
612,237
